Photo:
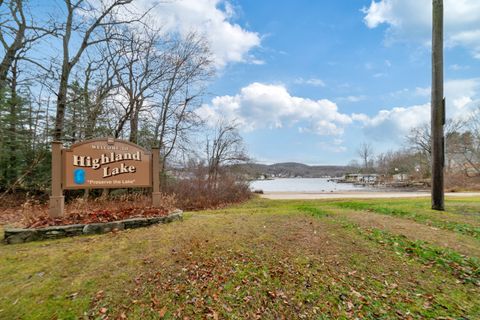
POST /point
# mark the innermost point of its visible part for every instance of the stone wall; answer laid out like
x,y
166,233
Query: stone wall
x,y
13,236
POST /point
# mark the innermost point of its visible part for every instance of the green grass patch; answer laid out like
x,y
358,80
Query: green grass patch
x,y
414,214
464,268
313,210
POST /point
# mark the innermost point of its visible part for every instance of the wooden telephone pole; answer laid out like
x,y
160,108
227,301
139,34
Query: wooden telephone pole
x,y
437,108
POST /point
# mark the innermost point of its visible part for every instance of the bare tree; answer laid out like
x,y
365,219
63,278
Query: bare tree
x,y
419,138
466,145
365,152
401,161
18,33
97,87
84,20
160,82
224,147
139,70
190,66
419,141
105,76
13,26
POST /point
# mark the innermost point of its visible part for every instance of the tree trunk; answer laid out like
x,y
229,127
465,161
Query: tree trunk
x,y
61,104
134,127
12,139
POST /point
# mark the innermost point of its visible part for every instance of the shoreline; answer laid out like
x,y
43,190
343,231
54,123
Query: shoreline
x,y
358,195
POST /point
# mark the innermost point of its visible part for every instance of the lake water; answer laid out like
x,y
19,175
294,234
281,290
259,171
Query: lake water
x,y
303,185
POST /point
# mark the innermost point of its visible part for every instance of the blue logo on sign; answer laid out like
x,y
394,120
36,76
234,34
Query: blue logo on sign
x,y
79,176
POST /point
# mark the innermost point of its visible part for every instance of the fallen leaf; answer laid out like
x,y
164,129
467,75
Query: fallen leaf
x,y
162,312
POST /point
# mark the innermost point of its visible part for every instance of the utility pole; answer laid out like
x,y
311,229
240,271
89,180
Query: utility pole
x,y
437,108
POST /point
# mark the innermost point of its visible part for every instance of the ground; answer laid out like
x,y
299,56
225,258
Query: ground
x,y
265,259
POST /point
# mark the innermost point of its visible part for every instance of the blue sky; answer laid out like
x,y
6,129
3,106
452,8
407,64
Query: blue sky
x,y
308,81
315,86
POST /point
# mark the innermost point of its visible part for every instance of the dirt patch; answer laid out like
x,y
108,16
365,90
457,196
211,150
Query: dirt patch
x,y
416,231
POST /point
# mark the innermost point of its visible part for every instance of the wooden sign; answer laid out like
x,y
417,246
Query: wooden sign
x,y
106,163
102,163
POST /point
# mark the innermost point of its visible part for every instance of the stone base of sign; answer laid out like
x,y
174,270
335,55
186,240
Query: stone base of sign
x,y
57,204
14,236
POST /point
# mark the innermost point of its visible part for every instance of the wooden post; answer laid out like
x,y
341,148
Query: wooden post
x,y
156,194
57,200
437,108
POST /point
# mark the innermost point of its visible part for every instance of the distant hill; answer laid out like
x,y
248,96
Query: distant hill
x,y
290,170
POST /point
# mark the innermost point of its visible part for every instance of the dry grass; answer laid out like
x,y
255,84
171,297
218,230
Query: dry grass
x,y
261,260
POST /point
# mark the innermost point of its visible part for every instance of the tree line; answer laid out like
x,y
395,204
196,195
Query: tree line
x,y
101,68
462,151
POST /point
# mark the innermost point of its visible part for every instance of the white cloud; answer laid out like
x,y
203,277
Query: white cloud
x,y
312,82
454,89
457,67
368,66
462,97
397,121
459,88
352,98
379,75
378,13
332,147
423,92
256,61
261,105
411,20
229,42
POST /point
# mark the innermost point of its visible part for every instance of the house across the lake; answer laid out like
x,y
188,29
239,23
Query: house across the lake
x,y
368,178
401,177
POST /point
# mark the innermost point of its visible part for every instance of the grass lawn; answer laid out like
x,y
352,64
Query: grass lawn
x,y
265,259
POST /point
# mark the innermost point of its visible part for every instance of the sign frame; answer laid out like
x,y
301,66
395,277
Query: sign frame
x,y
59,167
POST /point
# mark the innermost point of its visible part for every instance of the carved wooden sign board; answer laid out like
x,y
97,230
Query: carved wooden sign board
x,y
106,163
102,163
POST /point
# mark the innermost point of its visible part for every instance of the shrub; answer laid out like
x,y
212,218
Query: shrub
x,y
459,181
197,192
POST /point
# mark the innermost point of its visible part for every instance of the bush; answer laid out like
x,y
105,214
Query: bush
x,y
459,182
197,193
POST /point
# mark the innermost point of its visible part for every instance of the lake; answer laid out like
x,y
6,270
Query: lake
x,y
303,185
